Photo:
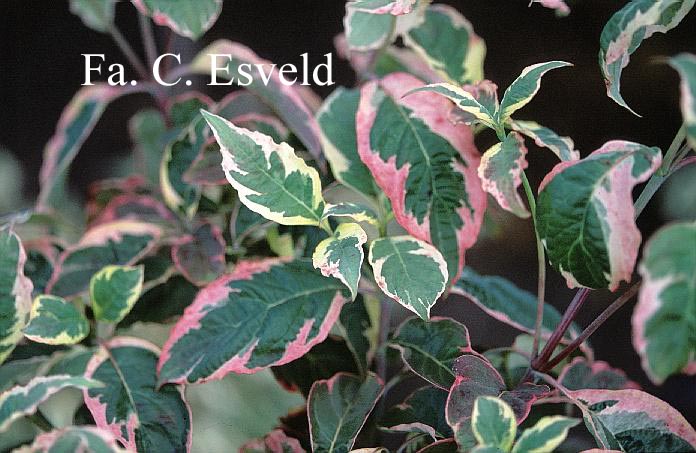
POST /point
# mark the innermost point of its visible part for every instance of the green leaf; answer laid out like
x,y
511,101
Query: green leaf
x,y
275,312
524,88
190,18
423,411
96,14
56,321
493,423
359,326
114,290
15,292
356,211
341,255
74,438
634,421
685,64
466,101
627,28
336,118
290,102
366,31
447,42
143,416
585,214
148,130
501,173
24,400
429,349
200,256
547,434
583,374
269,178
563,147
74,126
274,441
664,325
337,409
409,271
425,165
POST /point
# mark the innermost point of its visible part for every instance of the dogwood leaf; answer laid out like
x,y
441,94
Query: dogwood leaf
x,y
114,290
341,255
582,374
685,64
56,321
493,423
423,411
338,407
15,292
664,327
140,208
200,256
24,400
410,271
624,32
96,14
356,211
269,178
500,172
546,435
585,214
142,416
466,101
563,147
257,298
88,438
425,165
275,441
190,18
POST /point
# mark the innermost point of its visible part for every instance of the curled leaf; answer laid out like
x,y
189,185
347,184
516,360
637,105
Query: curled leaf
x,y
500,171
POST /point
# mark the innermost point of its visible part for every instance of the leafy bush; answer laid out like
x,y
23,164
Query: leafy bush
x,y
271,230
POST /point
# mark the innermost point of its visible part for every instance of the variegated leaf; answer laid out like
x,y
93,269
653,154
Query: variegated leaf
x,y
336,118
394,7
423,411
120,243
355,211
74,439
269,178
501,173
24,400
142,415
200,256
582,374
114,290
664,326
524,88
545,436
190,18
96,14
425,164
15,292
341,255
447,42
276,312
493,423
467,101
410,271
206,168
288,101
74,126
685,64
429,349
338,407
372,24
563,147
274,442
622,35
585,214
142,208
633,421
559,6
56,321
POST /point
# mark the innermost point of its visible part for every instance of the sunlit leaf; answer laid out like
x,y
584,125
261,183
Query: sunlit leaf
x,y
114,290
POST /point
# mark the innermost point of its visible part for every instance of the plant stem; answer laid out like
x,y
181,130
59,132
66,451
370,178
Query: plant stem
x,y
148,37
589,330
671,154
41,422
127,50
684,163
541,262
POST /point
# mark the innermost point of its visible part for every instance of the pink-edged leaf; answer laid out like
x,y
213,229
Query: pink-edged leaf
x,y
15,292
117,243
190,18
585,214
143,208
424,163
582,374
86,438
337,409
200,256
632,420
74,126
274,310
560,6
501,173
286,100
274,442
141,415
250,112
100,193
441,446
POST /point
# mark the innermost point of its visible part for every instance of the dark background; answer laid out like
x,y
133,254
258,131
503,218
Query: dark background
x,y
41,68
